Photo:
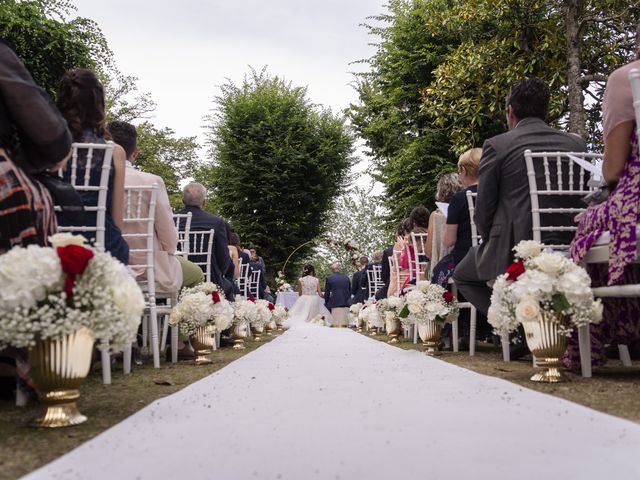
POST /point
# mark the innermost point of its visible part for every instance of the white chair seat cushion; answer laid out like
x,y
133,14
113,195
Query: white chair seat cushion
x,y
606,236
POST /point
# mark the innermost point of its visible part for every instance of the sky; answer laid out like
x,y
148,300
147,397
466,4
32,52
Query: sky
x,y
182,51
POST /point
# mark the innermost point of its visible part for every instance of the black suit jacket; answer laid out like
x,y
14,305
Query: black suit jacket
x,y
359,293
386,273
220,258
337,291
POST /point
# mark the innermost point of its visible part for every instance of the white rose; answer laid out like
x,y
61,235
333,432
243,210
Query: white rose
x,y
596,311
528,249
424,286
415,308
527,310
389,316
64,239
549,262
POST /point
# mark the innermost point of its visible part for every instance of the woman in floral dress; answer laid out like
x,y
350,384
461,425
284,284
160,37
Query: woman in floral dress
x,y
619,215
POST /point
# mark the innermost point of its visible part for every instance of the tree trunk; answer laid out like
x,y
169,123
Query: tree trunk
x,y
577,114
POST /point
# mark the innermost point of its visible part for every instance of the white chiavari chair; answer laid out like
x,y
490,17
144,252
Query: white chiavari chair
x,y
142,257
253,283
374,280
183,224
243,279
201,250
86,156
420,262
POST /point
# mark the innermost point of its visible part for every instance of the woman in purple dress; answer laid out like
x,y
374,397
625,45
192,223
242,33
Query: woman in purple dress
x,y
619,215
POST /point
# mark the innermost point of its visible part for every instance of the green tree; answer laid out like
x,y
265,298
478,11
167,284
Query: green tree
x,y
48,44
278,161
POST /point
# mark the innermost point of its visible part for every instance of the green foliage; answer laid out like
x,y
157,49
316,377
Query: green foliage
x,y
173,159
278,162
357,216
48,44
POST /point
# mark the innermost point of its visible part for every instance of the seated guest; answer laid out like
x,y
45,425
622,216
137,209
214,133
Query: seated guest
x,y
171,272
503,207
33,139
391,282
81,101
233,271
457,233
618,214
403,241
358,293
253,254
435,250
193,197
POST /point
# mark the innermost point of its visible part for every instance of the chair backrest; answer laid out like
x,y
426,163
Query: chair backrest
x,y
420,261
471,203
557,185
400,277
140,208
183,225
374,280
634,79
84,183
253,283
200,250
243,279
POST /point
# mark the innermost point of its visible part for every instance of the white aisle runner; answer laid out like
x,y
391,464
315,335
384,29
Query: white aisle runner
x,y
320,403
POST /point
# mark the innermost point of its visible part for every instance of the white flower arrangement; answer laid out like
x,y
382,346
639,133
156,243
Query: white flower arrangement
x,y
370,315
354,312
280,314
263,316
282,284
429,302
46,292
199,306
540,282
390,308
245,311
319,320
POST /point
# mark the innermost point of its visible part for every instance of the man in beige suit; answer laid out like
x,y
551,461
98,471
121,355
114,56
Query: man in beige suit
x,y
172,272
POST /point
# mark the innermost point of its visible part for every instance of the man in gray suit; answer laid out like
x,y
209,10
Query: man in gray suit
x,y
503,206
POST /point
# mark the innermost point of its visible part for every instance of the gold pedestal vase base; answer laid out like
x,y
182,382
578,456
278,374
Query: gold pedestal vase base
x,y
393,338
202,342
60,410
238,344
373,332
431,349
203,357
551,371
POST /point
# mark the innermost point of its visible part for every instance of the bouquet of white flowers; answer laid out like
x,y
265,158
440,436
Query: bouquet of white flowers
x,y
354,312
319,320
540,282
280,314
200,306
245,311
370,315
47,292
282,284
429,302
263,317
390,308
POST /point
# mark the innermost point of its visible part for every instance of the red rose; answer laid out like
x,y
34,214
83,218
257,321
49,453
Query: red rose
x,y
348,247
448,296
272,307
515,270
73,260
286,309
251,299
216,297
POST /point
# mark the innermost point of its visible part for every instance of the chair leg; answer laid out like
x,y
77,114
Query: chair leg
x,y
155,346
145,332
126,359
165,332
455,335
504,340
625,358
415,333
584,343
105,359
174,344
21,396
472,331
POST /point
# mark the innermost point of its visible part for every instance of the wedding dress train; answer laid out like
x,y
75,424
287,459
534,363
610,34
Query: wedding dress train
x,y
308,306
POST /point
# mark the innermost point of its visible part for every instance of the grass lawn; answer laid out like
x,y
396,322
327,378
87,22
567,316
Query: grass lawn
x,y
23,449
613,389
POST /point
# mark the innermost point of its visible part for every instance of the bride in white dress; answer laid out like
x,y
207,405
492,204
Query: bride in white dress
x,y
310,304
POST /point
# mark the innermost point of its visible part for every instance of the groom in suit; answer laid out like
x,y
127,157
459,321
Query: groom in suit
x,y
337,295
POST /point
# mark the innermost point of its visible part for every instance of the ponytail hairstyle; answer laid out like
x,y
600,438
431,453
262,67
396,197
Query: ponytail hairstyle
x,y
81,102
308,270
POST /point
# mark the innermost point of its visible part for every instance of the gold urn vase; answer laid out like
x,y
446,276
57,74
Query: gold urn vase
x,y
202,342
429,334
359,324
547,344
257,330
240,332
58,367
392,325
